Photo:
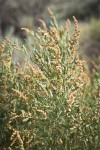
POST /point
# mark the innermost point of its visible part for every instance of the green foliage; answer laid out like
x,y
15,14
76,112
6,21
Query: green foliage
x,y
50,103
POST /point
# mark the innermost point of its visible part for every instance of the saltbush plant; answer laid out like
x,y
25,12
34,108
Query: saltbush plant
x,y
51,103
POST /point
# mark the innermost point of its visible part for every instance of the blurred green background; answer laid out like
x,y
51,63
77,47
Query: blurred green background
x,y
15,14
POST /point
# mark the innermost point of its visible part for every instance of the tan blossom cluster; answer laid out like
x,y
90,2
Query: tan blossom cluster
x,y
2,46
44,115
82,77
43,24
4,85
29,31
54,32
68,25
15,137
72,97
77,31
37,72
20,94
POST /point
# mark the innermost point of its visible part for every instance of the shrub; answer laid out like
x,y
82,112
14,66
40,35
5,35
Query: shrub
x,y
51,102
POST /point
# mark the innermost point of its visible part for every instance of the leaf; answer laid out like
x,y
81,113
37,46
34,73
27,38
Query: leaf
x,y
26,119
